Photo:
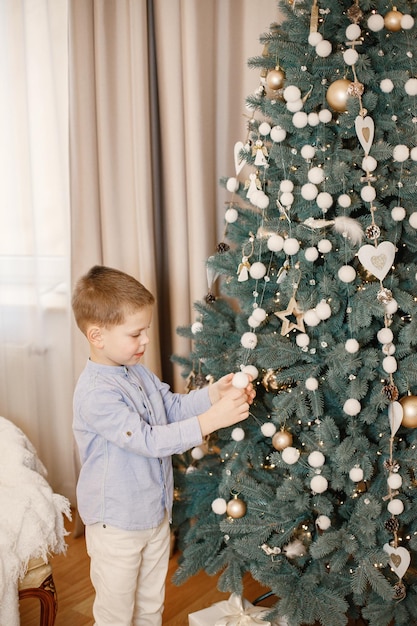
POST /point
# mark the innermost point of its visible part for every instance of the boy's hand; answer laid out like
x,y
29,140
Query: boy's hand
x,y
222,386
233,407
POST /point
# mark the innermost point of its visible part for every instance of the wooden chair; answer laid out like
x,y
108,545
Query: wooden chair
x,y
39,583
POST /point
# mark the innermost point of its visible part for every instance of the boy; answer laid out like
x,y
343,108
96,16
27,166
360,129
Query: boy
x,y
127,424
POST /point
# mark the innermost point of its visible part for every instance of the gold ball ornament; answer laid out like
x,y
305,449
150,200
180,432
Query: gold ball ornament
x,y
282,439
236,508
392,20
275,78
338,93
409,404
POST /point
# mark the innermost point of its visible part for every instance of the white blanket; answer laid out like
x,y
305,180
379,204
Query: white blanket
x,y
31,516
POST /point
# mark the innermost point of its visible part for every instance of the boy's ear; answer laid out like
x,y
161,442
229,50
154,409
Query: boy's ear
x,y
94,335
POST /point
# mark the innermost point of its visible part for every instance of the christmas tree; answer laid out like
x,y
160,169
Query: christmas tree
x,y
313,295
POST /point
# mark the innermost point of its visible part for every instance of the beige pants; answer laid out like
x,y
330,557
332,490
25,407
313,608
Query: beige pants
x,y
128,571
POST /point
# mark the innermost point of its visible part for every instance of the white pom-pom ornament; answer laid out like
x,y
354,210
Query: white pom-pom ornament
x,y
407,22
323,48
356,474
309,191
323,522
253,323
287,198
350,56
291,246
319,484
411,87
290,455
394,481
278,134
391,307
413,153
323,310
291,93
325,116
375,22
316,175
275,243
311,254
352,407
268,429
369,163
412,220
313,119
346,274
238,434
386,85
344,200
302,340
324,200
389,364
197,453
308,152
312,383
395,507
251,371
286,185
352,346
314,38
353,31
368,193
249,340
401,153
219,506
264,129
398,213
316,459
385,335
259,314
232,184
231,216
324,246
257,270
300,119
240,380
311,318
197,327
295,106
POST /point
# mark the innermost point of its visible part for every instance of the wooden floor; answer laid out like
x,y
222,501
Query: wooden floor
x,y
75,593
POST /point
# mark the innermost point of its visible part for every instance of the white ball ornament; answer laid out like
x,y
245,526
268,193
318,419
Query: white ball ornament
x,y
388,348
314,38
291,93
251,371
325,116
300,119
394,481
278,134
291,246
257,270
411,87
268,429
407,22
353,31
389,364
295,106
302,340
369,163
311,254
313,119
312,384
309,191
218,506
368,193
231,216
352,407
316,175
323,522
324,246
238,434
376,22
253,323
391,307
311,318
323,48
412,220
356,474
386,85
259,314
264,129
324,200
275,243
323,310
197,327
400,153
385,335
398,213
350,56
316,459
290,455
287,198
286,185
344,200
308,152
262,200
319,484
413,153
197,453
346,274
395,506
240,380
249,340
352,346
232,184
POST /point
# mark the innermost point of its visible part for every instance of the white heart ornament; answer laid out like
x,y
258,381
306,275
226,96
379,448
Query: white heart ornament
x,y
395,416
365,131
399,559
377,260
239,161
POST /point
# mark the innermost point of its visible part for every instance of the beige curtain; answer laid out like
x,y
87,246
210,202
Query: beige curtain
x,y
157,94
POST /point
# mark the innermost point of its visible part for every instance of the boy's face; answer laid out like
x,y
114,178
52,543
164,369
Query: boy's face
x,y
123,344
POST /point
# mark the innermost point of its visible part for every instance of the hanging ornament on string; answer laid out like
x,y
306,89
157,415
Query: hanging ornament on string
x,y
338,94
377,259
236,508
275,78
409,407
244,266
282,439
392,20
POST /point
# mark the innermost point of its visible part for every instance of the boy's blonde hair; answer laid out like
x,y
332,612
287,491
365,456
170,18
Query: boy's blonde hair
x,y
104,296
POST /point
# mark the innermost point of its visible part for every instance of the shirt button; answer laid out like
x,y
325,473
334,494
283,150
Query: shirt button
x,y
129,433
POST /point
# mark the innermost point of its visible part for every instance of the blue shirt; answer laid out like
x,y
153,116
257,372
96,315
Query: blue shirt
x,y
127,424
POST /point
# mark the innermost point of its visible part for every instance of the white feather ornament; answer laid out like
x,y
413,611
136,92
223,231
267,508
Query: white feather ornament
x,y
342,225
